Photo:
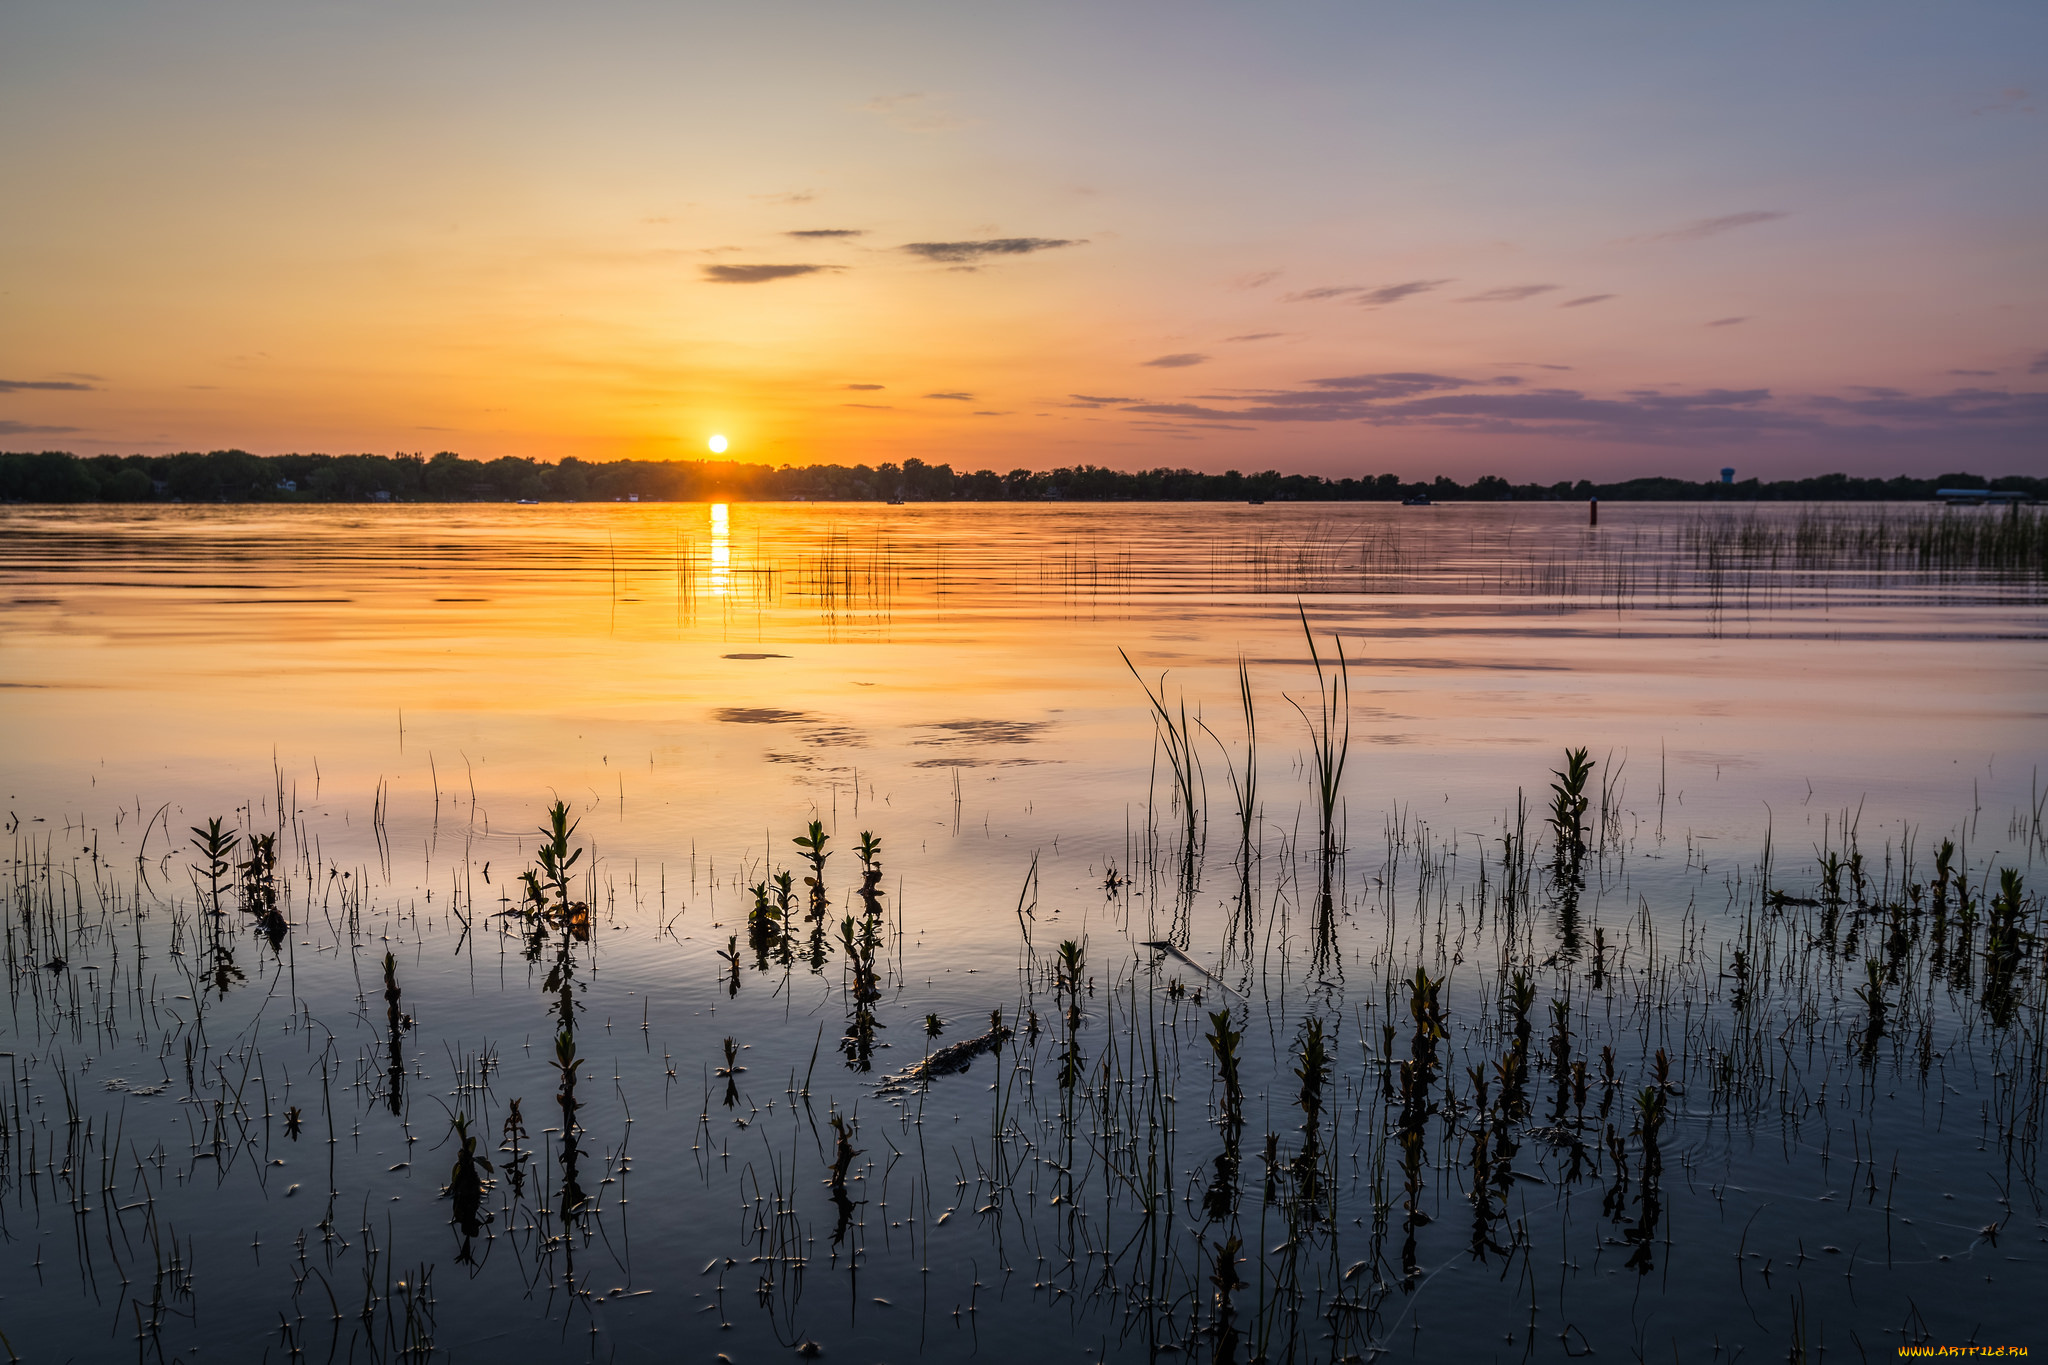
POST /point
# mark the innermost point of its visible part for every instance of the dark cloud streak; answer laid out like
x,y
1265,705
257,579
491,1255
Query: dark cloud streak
x,y
1512,293
758,274
956,252
1394,293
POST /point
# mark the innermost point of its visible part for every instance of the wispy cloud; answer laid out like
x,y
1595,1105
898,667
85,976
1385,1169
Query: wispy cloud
x,y
32,429
57,385
826,233
1394,293
1178,361
758,274
956,397
1986,374
2039,365
1099,398
1712,227
1256,336
1366,296
1397,384
1727,322
871,407
995,246
2013,99
864,387
1325,291
916,111
1342,398
1512,293
791,197
1257,279
1585,300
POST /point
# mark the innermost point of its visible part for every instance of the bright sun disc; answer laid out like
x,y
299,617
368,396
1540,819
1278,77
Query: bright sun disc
x,y
718,445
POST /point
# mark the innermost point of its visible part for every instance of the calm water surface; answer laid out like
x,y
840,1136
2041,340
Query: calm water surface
x,y
396,696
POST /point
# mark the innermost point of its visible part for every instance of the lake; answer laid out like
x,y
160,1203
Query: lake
x,y
1227,980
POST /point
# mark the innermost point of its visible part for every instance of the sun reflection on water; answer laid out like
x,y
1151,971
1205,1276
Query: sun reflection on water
x,y
721,550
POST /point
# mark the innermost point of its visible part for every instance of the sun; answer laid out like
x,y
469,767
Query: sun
x,y
718,445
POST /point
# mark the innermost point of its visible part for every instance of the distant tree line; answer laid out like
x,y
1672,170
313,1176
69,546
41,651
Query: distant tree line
x,y
237,476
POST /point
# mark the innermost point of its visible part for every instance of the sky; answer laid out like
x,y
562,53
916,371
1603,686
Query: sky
x,y
1541,241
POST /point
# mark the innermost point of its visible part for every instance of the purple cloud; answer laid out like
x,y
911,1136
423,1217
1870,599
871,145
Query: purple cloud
x,y
1712,227
1993,421
1394,293
1512,293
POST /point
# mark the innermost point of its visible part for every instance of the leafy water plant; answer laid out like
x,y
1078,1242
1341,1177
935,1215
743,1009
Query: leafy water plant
x,y
1219,1201
258,877
2005,945
1649,1206
467,1187
511,1140
1871,993
1067,983
548,885
566,1064
1312,1070
870,850
1520,997
216,846
765,925
1568,802
812,841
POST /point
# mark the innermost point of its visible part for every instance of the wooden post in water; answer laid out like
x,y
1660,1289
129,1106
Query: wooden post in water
x,y
1593,508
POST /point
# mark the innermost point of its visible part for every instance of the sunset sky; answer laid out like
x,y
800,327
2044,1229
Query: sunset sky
x,y
1544,241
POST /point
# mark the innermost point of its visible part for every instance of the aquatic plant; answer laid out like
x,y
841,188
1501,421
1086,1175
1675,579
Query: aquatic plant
x,y
813,842
1329,733
1176,734
216,847
467,1187
1067,983
1568,802
1219,1200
